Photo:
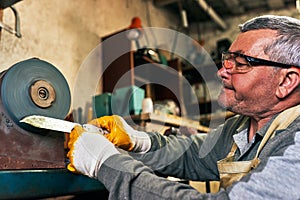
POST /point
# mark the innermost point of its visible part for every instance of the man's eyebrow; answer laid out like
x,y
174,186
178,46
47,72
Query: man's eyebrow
x,y
238,51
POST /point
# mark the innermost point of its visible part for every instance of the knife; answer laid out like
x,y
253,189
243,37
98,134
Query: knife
x,y
57,124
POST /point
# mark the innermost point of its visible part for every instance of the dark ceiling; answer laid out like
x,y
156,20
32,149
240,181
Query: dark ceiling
x,y
212,10
7,3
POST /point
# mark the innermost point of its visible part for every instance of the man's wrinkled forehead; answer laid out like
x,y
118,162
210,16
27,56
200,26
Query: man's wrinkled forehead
x,y
254,42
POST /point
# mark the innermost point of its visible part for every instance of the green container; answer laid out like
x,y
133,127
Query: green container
x,y
127,101
102,104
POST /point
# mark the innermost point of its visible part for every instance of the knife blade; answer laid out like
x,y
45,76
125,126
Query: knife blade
x,y
49,123
59,124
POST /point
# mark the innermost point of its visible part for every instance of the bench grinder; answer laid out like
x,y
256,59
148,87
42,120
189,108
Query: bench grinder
x,y
32,160
31,87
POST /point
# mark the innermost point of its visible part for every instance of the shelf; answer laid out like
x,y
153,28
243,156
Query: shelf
x,y
216,116
160,81
168,119
161,66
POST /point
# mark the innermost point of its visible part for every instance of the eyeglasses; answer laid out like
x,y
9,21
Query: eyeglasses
x,y
240,63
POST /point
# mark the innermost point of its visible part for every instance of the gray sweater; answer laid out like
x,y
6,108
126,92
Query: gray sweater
x,y
135,176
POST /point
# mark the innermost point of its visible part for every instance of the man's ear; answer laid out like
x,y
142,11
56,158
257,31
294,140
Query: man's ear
x,y
290,79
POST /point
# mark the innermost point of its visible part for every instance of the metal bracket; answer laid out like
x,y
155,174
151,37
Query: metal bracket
x,y
9,29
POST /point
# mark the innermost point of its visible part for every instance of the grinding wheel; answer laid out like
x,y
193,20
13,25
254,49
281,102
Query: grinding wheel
x,y
34,87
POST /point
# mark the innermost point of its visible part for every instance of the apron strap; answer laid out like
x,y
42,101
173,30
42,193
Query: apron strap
x,y
233,149
231,171
282,121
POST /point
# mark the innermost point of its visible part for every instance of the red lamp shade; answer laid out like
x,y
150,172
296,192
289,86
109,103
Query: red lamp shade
x,y
136,22
135,29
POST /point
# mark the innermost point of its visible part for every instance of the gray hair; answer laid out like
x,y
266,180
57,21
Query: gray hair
x,y
286,48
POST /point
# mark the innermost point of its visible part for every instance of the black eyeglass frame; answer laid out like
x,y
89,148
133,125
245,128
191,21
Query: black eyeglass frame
x,y
258,61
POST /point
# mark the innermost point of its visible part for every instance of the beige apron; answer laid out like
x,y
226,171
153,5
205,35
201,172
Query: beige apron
x,y
231,171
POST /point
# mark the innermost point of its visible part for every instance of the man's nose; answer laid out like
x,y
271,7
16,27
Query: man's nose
x,y
223,72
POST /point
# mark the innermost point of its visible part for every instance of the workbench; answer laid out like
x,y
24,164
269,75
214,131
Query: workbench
x,y
37,184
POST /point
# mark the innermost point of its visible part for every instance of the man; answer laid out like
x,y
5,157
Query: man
x,y
261,83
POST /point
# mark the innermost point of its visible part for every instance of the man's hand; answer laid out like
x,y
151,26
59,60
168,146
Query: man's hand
x,y
88,150
122,135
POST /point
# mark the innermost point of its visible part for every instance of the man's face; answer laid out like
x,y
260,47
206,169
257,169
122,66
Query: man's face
x,y
251,93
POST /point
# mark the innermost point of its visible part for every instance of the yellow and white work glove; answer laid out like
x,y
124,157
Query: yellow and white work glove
x,y
88,150
122,135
